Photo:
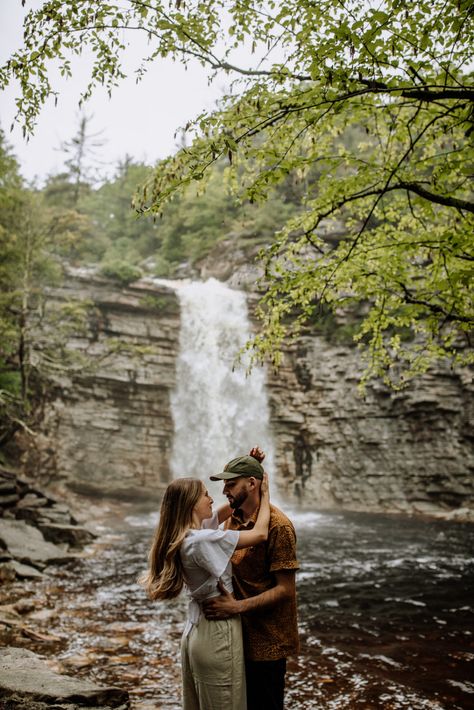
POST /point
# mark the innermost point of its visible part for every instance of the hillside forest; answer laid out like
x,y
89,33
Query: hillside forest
x,y
80,218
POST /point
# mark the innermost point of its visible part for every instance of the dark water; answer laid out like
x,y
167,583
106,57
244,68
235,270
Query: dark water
x,y
386,612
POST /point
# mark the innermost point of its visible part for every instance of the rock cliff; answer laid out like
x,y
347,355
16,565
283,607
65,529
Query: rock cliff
x,y
397,451
409,451
109,429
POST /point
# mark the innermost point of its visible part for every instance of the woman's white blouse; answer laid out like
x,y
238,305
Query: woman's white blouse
x,y
205,556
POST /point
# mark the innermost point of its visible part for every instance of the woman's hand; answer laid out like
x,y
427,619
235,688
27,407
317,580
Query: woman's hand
x,y
257,453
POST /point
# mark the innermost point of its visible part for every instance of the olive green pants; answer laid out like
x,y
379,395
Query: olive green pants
x,y
212,666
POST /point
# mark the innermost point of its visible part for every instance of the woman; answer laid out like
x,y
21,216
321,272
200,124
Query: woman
x,y
189,549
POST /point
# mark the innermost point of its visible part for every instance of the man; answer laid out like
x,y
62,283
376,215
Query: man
x,y
264,586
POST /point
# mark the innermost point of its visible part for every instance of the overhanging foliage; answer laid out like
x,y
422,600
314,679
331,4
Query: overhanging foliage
x,y
398,72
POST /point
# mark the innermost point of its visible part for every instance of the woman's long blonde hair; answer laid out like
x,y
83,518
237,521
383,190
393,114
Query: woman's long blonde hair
x,y
164,578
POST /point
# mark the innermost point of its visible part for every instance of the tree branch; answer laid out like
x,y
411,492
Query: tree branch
x,y
433,197
433,307
463,93
421,93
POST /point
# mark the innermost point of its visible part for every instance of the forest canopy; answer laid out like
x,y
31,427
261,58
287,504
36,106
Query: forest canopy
x,y
367,106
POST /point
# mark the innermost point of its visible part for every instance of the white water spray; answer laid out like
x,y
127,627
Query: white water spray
x,y
219,412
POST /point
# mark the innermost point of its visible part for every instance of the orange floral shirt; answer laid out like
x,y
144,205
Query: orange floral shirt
x,y
270,633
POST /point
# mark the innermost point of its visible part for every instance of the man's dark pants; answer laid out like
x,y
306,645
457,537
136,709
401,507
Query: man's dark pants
x,y
265,684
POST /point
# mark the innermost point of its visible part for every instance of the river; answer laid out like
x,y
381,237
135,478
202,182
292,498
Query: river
x,y
385,603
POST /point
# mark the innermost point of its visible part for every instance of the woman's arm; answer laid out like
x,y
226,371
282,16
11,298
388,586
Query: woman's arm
x,y
259,533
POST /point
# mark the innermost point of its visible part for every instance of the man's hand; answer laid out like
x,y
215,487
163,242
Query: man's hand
x,y
222,607
257,453
225,606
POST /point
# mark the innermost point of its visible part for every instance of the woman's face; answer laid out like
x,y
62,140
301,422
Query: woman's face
x,y
203,508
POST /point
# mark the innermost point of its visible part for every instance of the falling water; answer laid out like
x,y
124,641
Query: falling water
x,y
219,411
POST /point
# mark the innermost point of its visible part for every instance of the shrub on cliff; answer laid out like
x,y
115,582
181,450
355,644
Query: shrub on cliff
x,y
121,271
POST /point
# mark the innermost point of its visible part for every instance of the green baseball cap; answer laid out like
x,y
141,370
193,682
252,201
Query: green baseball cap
x,y
241,466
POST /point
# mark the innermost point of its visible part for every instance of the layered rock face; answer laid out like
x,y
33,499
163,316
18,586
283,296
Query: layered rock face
x,y
398,451
108,429
409,451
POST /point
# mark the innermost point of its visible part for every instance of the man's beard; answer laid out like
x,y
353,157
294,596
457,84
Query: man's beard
x,y
238,500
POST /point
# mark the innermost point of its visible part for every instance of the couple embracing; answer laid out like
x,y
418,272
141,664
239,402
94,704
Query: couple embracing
x,y
241,624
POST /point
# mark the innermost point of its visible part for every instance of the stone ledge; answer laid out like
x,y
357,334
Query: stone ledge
x,y
26,681
35,531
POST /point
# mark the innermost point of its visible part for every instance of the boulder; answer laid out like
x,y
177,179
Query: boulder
x,y
34,529
26,679
32,500
71,534
25,571
27,544
44,515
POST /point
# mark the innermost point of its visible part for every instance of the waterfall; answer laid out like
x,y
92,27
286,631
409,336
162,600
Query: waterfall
x,y
219,412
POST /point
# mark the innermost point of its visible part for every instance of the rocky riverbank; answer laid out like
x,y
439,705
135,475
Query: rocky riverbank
x,y
385,608
35,530
28,683
38,533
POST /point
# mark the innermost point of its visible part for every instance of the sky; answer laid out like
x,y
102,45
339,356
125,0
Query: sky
x,y
139,120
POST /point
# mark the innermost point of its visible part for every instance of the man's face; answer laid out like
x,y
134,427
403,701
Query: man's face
x,y
236,491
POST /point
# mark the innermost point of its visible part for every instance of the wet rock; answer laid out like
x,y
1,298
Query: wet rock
x,y
27,544
7,572
13,569
32,500
9,616
24,606
29,515
35,530
25,571
461,514
9,500
7,487
42,615
427,508
71,534
44,515
26,680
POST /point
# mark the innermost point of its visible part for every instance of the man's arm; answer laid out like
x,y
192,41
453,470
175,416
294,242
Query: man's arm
x,y
225,606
